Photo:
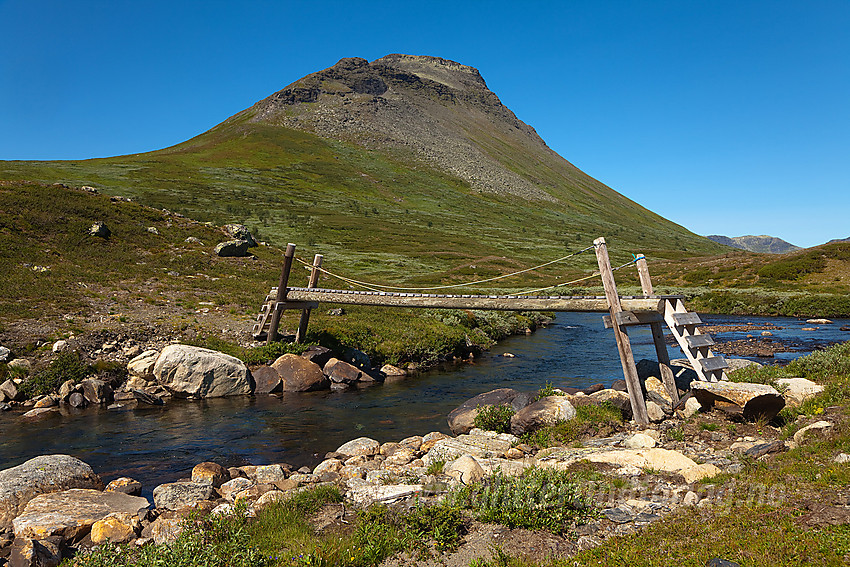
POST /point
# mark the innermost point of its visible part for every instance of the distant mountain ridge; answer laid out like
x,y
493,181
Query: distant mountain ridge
x,y
763,243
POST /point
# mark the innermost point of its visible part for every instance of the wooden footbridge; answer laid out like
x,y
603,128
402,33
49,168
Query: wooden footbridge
x,y
624,312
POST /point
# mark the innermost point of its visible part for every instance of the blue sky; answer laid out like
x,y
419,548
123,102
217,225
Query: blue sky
x,y
726,117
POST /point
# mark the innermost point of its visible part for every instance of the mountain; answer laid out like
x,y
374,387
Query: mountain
x,y
839,240
407,167
763,243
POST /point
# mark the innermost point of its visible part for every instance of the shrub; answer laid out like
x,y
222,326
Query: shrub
x,y
539,499
67,366
494,418
590,419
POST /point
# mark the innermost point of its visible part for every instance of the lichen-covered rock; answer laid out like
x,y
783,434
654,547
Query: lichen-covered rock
x,y
125,486
117,527
70,514
798,390
341,372
47,473
210,473
240,232
97,391
28,552
465,470
190,371
176,495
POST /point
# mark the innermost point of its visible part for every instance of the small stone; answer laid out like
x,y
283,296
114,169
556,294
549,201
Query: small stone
x,y
125,485
328,465
60,345
818,428
691,499
230,488
619,515
718,562
176,495
466,470
232,249
655,412
117,527
842,458
100,230
692,406
153,230
4,354
699,472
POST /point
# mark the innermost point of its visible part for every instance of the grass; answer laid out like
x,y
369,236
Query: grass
x,y
494,418
66,366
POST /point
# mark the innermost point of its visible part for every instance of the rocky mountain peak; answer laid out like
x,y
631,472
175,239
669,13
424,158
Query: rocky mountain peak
x,y
450,73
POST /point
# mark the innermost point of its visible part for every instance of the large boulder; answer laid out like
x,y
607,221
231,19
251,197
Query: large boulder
x,y
232,248
142,366
542,413
299,374
47,473
10,390
462,418
70,514
362,446
751,400
28,552
190,371
318,354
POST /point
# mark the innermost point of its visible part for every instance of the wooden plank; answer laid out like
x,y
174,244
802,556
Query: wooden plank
x,y
281,291
627,318
713,363
686,319
627,359
643,274
483,302
698,341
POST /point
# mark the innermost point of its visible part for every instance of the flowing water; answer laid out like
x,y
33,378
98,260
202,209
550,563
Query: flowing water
x,y
162,444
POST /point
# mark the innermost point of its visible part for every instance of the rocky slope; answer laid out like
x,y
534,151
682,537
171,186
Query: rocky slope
x,y
763,243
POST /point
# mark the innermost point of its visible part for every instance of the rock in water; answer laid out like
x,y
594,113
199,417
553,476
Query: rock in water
x,y
142,365
751,400
232,249
47,473
299,374
266,380
189,371
341,372
542,413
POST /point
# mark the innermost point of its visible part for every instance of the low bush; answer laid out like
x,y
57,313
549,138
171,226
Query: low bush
x,y
590,420
539,499
67,366
494,418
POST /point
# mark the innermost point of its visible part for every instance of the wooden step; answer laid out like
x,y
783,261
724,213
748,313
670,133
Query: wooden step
x,y
713,363
682,319
698,341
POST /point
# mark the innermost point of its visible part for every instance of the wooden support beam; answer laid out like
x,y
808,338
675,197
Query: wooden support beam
x,y
305,313
624,346
281,292
658,335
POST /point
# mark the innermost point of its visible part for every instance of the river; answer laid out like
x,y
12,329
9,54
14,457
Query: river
x,y
162,444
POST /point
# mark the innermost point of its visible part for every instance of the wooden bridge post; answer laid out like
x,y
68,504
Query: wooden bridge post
x,y
281,292
305,313
658,335
627,358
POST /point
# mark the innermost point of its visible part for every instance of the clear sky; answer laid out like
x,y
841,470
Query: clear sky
x,y
726,117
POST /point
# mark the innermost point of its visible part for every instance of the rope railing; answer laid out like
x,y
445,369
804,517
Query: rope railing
x,y
378,287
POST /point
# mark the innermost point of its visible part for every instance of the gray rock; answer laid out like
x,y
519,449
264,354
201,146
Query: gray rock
x,y
816,429
232,249
619,515
462,418
37,412
5,407
146,398
153,230
336,312
542,413
142,365
100,230
4,354
362,446
189,371
240,232
193,240
798,390
654,412
720,562
71,513
176,495
750,400
125,485
21,364
299,374
47,473
97,391
266,380
210,473
77,400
